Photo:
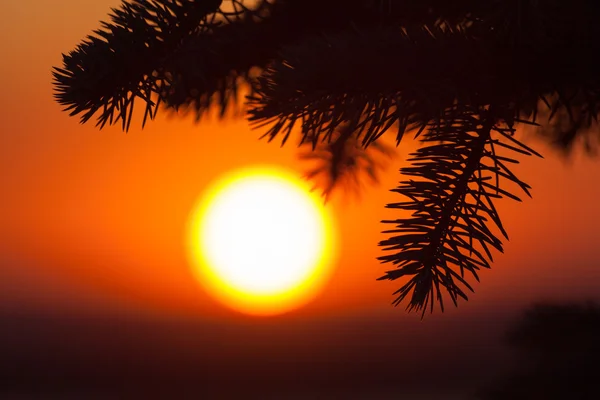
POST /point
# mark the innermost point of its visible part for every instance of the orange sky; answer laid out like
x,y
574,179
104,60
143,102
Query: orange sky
x,y
94,220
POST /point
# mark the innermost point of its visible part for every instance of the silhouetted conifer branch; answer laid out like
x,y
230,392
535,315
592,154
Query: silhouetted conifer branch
x,y
325,81
156,51
462,74
452,205
342,161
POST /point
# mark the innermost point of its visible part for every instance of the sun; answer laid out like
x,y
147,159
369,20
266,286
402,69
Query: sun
x,y
260,242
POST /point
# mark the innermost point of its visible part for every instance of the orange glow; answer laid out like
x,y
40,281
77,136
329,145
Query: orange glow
x,y
96,219
260,242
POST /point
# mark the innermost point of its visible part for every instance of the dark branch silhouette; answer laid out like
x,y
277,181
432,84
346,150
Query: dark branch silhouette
x,y
341,159
462,75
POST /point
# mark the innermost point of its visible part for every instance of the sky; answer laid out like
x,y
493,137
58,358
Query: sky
x,y
95,284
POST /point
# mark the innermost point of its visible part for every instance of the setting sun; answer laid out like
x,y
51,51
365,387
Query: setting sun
x,y
260,242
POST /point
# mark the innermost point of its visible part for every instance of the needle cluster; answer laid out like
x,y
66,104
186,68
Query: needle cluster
x,y
337,75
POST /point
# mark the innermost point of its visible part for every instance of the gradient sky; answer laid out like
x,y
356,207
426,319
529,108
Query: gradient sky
x,y
92,225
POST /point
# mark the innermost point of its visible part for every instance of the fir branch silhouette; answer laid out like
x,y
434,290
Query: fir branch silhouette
x,y
452,205
122,61
462,75
341,160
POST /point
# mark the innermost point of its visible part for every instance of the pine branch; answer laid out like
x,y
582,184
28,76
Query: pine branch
x,y
452,206
124,60
406,77
186,53
216,68
145,53
346,73
343,161
572,116
313,86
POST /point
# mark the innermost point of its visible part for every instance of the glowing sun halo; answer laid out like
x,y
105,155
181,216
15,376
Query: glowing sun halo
x,y
260,242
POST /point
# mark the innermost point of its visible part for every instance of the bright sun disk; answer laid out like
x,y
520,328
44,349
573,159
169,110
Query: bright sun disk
x,y
260,242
